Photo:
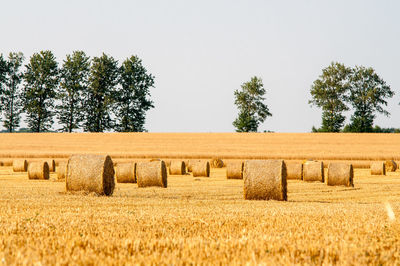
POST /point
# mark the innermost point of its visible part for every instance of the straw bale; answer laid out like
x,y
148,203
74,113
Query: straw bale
x,y
265,180
38,170
61,170
20,165
390,166
190,164
177,168
234,170
340,174
201,168
216,163
151,174
313,171
90,173
378,168
294,170
126,172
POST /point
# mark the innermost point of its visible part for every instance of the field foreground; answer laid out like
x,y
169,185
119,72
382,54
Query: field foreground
x,y
199,220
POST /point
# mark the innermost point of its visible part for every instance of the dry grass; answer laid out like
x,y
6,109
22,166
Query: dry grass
x,y
205,221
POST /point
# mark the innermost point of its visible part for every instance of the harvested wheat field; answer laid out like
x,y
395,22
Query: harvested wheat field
x,y
200,220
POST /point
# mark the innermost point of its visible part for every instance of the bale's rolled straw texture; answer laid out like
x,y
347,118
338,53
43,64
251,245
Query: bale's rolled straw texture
x,y
313,171
294,170
265,180
216,163
201,168
177,168
190,164
20,165
390,166
234,170
151,174
61,170
340,174
126,172
38,170
90,173
378,168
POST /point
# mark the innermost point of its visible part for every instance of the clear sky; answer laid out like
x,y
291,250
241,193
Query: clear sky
x,y
201,51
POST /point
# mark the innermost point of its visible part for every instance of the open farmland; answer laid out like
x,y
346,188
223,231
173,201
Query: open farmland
x,y
201,220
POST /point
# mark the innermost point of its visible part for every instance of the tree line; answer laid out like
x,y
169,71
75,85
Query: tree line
x,y
338,89
92,94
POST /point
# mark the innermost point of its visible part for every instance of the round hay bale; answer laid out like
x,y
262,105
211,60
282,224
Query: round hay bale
x,y
390,166
265,180
20,165
126,172
151,174
61,170
294,170
201,168
190,164
313,171
340,174
52,165
7,162
38,170
91,173
216,163
177,168
378,168
234,170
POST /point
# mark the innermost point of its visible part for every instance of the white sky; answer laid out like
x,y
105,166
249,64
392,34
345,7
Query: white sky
x,y
201,51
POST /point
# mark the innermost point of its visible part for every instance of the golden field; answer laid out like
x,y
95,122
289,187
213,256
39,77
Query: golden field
x,y
201,220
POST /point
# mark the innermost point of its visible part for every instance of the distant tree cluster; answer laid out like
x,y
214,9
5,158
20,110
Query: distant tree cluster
x,y
93,94
341,88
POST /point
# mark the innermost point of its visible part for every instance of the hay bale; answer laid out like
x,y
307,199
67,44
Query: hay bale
x,y
38,170
20,165
201,168
7,162
294,170
151,174
126,172
61,170
340,174
313,171
234,170
190,164
390,166
265,180
91,173
378,168
216,163
177,168
52,165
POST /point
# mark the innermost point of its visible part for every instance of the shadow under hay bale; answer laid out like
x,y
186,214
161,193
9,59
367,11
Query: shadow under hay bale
x,y
201,168
20,165
378,168
265,180
340,174
294,170
177,168
234,170
313,171
126,172
390,166
91,173
38,170
61,170
151,174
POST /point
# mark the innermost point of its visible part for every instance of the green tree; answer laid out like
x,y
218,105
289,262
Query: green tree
x,y
74,81
368,94
250,103
134,96
330,92
101,94
41,81
3,77
11,99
